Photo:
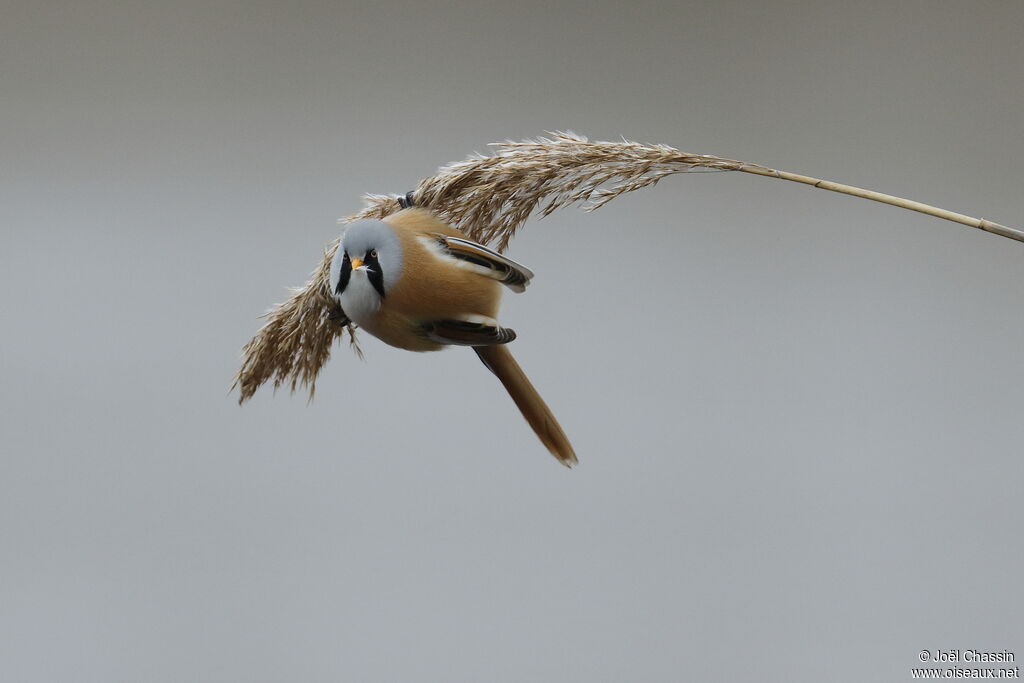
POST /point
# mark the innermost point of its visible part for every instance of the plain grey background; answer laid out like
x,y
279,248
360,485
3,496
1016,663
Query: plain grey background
x,y
798,414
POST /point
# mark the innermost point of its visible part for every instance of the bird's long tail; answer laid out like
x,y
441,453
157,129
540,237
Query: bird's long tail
x,y
499,360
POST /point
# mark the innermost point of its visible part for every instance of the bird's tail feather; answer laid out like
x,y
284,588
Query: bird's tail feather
x,y
499,360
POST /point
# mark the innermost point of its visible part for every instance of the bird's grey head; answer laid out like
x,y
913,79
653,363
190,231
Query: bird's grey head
x,y
370,253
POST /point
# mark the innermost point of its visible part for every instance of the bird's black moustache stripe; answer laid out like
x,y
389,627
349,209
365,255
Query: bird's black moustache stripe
x,y
374,273
346,273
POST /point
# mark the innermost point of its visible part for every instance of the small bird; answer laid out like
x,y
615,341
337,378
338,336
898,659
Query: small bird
x,y
419,284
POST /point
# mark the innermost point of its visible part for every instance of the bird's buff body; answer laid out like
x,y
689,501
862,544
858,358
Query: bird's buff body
x,y
432,286
419,284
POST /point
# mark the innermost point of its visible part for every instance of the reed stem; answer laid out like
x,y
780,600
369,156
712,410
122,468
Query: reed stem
x,y
979,223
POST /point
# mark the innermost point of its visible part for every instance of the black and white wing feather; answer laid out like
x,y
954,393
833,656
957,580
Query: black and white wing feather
x,y
513,275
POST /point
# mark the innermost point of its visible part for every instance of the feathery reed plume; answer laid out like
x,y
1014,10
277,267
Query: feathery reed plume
x,y
489,198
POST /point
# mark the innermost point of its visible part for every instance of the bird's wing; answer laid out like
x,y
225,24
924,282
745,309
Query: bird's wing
x,y
468,333
513,275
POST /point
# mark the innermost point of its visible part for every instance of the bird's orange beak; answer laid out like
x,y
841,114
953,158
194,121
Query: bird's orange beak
x,y
357,263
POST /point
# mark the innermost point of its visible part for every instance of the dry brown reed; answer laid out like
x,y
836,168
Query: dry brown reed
x,y
489,198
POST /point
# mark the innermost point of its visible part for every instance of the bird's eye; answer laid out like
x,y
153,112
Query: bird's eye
x,y
373,253
346,256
